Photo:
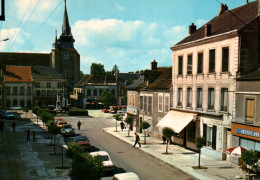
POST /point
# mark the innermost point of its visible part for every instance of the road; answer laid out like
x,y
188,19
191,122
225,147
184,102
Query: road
x,y
125,157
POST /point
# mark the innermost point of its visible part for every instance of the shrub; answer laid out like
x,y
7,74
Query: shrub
x,y
77,112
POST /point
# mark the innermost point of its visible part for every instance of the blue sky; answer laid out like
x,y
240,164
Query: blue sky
x,y
129,33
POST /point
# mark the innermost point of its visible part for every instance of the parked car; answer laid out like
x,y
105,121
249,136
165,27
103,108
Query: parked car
x,y
61,123
126,176
82,140
122,112
67,130
58,119
107,163
16,107
9,115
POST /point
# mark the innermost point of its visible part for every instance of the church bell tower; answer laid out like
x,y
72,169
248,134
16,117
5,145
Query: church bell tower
x,y
64,57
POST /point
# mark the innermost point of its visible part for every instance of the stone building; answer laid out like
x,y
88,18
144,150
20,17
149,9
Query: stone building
x,y
205,67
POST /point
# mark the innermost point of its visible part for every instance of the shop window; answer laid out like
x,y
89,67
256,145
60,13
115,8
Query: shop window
x,y
211,98
160,103
250,144
225,59
189,64
180,61
250,111
199,98
192,131
189,96
211,60
224,99
179,97
200,63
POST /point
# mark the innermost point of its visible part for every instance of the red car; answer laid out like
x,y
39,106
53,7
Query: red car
x,y
83,141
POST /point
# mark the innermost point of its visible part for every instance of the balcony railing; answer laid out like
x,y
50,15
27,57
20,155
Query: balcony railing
x,y
223,108
211,107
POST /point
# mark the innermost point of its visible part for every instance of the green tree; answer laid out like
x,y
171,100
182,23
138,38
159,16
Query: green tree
x,y
26,110
73,148
250,158
97,69
54,130
81,74
107,99
167,133
117,117
124,102
144,125
200,142
45,116
84,166
129,121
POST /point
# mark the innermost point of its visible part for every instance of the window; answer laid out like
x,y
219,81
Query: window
x,y
15,91
7,91
224,99
141,102
29,91
199,98
225,59
113,92
179,97
211,60
189,64
43,93
145,103
166,103
38,85
211,98
250,144
48,93
189,91
130,99
54,93
22,91
88,92
200,63
38,92
59,85
95,92
150,104
160,103
192,131
180,59
133,99
210,134
250,110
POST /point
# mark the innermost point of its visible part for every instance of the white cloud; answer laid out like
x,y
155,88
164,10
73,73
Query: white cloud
x,y
200,22
175,34
119,7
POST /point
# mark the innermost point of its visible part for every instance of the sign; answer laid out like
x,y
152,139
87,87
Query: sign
x,y
131,110
248,132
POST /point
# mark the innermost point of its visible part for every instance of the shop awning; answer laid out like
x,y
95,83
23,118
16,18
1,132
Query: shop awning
x,y
176,120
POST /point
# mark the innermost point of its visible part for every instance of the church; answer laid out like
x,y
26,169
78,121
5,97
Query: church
x,y
63,57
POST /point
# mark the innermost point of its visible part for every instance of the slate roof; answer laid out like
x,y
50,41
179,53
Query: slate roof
x,y
137,84
226,22
163,81
81,82
96,80
43,72
18,74
127,78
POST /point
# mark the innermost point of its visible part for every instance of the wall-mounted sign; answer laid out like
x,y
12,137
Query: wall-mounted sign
x,y
245,131
131,110
248,132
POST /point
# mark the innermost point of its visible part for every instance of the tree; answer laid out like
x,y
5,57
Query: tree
x,y
124,102
107,99
81,75
167,133
114,69
200,142
117,117
144,125
250,158
55,130
26,110
36,110
73,148
45,116
84,166
97,69
129,121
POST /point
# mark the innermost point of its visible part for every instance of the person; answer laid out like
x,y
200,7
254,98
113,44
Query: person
x,y
79,124
34,136
28,135
137,140
13,125
164,139
122,125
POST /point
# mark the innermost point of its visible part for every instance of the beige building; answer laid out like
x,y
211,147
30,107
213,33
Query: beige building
x,y
205,67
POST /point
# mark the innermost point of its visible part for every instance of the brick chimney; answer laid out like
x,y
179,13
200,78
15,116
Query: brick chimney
x,y
154,65
207,31
192,28
223,8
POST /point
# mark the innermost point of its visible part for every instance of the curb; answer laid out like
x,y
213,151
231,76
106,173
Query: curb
x,y
105,130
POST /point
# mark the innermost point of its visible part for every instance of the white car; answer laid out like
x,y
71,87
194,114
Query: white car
x,y
107,163
122,112
126,176
16,107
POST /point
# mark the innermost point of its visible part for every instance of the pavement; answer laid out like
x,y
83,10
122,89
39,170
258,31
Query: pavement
x,y
28,160
181,158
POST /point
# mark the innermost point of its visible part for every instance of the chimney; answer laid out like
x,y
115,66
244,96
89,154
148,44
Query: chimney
x,y
192,28
154,65
222,9
207,31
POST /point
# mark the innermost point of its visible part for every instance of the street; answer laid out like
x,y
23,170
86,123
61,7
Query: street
x,y
125,157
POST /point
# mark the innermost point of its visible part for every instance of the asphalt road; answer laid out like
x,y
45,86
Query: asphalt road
x,y
125,157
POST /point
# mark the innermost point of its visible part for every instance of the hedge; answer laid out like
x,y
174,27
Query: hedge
x,y
77,112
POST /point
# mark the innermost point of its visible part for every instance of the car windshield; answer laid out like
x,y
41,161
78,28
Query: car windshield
x,y
104,157
67,126
81,139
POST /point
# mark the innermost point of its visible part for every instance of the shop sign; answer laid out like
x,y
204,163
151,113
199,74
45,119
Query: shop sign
x,y
132,110
248,132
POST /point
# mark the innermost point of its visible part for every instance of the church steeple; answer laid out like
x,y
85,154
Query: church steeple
x,y
65,25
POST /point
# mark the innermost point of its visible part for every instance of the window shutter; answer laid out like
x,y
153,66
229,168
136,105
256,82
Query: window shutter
x,y
214,137
205,131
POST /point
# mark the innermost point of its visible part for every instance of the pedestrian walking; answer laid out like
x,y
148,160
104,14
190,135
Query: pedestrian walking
x,y
79,124
2,125
28,135
34,136
13,125
137,140
122,125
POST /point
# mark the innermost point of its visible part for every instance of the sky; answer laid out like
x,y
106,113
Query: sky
x,y
128,33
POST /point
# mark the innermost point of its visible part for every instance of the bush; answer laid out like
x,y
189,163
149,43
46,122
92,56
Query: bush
x,y
77,112
52,112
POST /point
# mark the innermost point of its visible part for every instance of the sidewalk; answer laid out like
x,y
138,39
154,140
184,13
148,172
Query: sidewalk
x,y
181,158
21,159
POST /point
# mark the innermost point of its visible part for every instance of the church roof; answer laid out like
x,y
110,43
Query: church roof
x,y
42,72
66,25
18,74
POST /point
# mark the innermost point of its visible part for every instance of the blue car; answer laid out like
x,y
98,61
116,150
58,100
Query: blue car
x,y
9,115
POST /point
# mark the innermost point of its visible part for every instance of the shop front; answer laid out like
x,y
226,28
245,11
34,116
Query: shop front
x,y
131,111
